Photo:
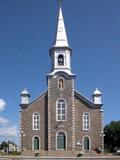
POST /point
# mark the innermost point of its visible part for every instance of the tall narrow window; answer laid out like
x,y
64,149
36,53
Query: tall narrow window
x,y
61,110
61,60
86,121
36,121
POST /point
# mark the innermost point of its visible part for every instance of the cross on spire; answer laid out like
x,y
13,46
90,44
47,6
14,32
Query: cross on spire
x,y
60,2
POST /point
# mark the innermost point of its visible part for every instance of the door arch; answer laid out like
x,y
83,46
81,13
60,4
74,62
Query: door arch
x,y
36,143
61,140
86,143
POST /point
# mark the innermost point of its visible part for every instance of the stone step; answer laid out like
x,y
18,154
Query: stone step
x,y
59,153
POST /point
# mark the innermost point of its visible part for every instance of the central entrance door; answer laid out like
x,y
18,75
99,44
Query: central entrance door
x,y
61,141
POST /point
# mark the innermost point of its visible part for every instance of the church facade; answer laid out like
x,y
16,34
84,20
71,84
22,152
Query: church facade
x,y
61,118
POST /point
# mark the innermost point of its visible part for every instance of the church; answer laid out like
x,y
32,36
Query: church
x,y
61,119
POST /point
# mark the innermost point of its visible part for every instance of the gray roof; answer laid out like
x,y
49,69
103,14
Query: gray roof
x,y
85,100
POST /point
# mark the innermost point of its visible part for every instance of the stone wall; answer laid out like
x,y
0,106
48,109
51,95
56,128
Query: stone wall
x,y
39,106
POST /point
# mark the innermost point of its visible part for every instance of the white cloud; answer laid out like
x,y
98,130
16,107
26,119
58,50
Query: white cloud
x,y
2,104
3,121
8,131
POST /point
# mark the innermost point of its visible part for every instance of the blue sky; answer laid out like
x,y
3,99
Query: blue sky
x,y
27,31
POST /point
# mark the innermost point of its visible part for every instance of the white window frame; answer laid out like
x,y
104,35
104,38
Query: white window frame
x,y
89,142
61,114
36,122
86,121
65,139
33,142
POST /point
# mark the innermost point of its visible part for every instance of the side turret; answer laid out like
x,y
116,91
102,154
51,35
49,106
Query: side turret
x,y
24,98
97,97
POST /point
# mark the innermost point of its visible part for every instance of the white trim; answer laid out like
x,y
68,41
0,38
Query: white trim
x,y
89,142
20,136
33,142
65,140
57,65
38,98
49,116
89,121
65,109
33,121
73,117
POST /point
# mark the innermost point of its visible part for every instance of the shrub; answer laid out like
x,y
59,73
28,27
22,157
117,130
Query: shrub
x,y
14,153
79,154
37,154
98,150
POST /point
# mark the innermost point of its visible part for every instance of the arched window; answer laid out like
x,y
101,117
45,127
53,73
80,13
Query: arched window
x,y
36,143
36,121
61,84
61,110
60,141
86,121
61,60
86,143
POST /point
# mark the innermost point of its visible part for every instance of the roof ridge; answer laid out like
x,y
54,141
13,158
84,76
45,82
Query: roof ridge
x,y
37,98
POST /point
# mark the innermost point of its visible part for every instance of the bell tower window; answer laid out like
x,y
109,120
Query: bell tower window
x,y
61,60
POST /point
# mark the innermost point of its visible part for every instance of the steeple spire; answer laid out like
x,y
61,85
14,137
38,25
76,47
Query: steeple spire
x,y
61,36
60,52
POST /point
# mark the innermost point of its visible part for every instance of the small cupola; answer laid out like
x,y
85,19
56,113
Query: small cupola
x,y
97,97
24,98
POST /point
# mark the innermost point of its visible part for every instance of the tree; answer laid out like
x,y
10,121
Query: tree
x,y
112,136
4,146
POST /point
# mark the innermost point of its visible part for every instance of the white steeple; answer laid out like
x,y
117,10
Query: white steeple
x,y
61,53
61,36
